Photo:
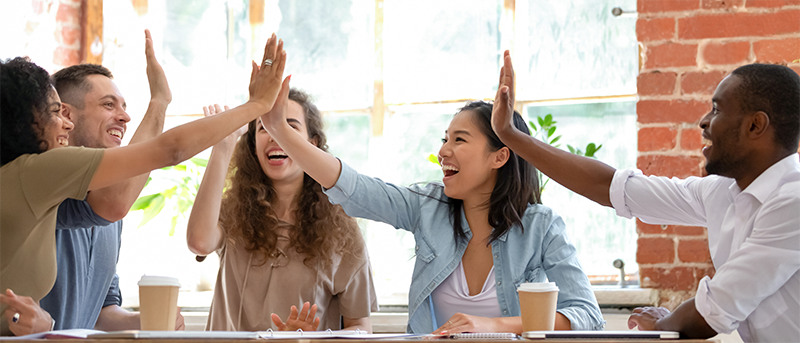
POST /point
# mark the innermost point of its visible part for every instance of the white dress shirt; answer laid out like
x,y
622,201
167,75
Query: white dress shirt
x,y
753,236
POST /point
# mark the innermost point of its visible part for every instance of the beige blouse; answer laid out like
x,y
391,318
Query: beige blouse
x,y
248,292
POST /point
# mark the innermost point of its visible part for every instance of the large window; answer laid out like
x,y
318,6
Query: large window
x,y
389,75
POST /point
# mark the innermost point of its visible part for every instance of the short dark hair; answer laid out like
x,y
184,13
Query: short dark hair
x,y
774,89
24,88
71,83
517,182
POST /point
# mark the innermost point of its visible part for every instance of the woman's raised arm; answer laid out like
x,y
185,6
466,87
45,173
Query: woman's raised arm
x,y
203,234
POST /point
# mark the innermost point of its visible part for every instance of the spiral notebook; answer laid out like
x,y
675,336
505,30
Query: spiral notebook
x,y
484,335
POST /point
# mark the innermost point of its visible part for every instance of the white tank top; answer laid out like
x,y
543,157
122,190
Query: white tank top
x,y
452,296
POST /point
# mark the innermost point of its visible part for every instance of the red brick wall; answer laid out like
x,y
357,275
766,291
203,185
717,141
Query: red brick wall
x,y
686,48
68,33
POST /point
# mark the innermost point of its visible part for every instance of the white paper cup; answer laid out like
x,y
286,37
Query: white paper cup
x,y
537,302
158,302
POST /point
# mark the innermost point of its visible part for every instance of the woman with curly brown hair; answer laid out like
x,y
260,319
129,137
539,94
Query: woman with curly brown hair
x,y
281,242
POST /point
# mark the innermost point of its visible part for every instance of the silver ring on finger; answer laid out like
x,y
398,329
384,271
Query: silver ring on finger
x,y
15,318
267,62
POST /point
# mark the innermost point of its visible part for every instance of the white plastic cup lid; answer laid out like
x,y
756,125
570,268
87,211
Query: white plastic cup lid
x,y
537,287
151,280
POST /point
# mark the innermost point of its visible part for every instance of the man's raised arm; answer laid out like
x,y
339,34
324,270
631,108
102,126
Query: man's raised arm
x,y
113,202
585,176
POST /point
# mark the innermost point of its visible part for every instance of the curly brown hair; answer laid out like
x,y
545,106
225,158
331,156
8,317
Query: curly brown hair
x,y
248,206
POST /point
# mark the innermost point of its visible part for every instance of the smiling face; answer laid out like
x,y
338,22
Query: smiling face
x,y
274,162
722,128
469,166
102,121
55,131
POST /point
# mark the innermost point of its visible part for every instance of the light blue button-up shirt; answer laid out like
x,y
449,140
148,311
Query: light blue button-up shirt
x,y
536,252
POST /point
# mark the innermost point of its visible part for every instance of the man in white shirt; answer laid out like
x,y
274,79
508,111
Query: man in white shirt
x,y
750,203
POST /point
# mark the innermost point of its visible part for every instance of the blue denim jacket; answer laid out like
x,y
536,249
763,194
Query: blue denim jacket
x,y
541,251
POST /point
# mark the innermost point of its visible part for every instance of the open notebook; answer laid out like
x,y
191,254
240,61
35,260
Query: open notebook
x,y
601,335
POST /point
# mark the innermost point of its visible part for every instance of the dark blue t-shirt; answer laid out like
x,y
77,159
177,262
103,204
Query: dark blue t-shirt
x,y
88,250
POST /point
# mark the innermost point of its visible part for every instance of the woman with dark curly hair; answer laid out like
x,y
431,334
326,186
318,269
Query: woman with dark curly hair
x,y
35,178
280,241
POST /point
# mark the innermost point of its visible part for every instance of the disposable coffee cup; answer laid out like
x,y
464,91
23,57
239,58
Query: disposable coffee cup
x,y
537,302
158,302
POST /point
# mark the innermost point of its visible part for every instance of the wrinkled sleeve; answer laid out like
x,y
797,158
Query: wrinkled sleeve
x,y
658,200
370,198
114,295
576,300
769,258
77,214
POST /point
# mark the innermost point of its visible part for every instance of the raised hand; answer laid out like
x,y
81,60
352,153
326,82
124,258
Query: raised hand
x,y
229,140
277,115
503,109
159,88
305,320
24,316
266,79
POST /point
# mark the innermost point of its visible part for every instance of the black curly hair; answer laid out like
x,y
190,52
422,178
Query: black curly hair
x,y
24,91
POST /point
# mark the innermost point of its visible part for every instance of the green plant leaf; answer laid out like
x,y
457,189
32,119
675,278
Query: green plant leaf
x,y
548,120
144,202
541,121
590,149
555,140
551,131
172,228
202,162
434,159
571,149
533,127
168,193
151,211
184,204
179,167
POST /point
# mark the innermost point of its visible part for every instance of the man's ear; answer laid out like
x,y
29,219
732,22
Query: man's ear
x,y
500,157
758,124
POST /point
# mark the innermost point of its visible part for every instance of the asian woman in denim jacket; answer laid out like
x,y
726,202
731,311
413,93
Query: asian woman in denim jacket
x,y
479,234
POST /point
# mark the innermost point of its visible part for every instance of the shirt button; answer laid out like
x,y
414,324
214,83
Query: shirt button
x,y
505,312
496,256
417,248
498,283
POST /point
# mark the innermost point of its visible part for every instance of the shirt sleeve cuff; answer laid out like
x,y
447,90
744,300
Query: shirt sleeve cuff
x,y
344,187
581,320
617,191
710,311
